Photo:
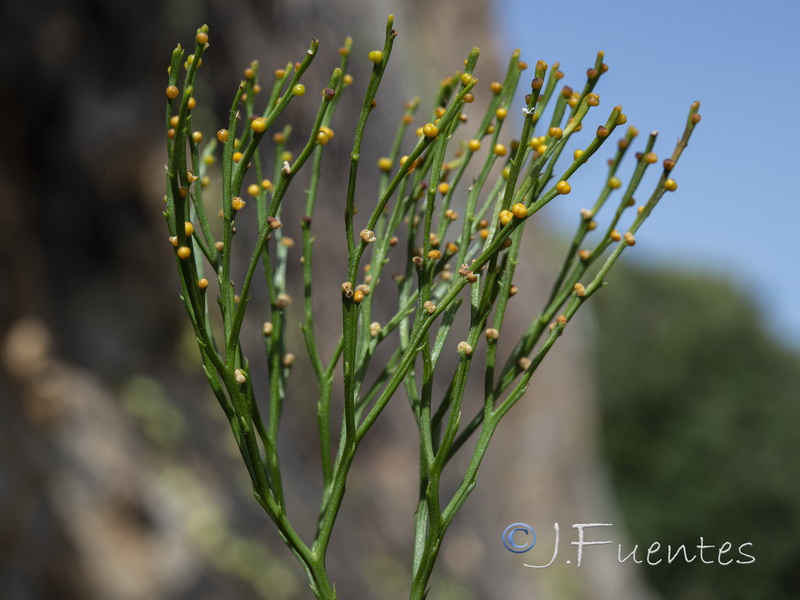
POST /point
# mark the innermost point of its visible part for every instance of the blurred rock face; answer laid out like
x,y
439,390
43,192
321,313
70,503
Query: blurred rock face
x,y
96,503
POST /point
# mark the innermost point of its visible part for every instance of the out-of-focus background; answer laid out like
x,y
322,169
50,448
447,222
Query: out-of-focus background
x,y
669,409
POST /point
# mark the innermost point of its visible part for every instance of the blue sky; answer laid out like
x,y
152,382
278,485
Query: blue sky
x,y
737,210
